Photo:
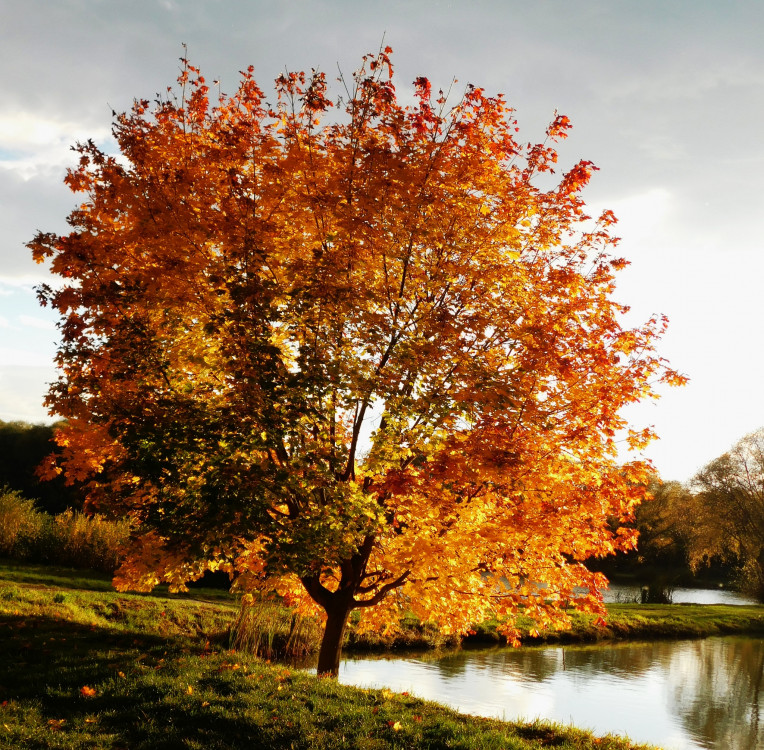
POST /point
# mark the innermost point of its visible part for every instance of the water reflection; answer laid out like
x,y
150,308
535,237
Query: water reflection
x,y
717,691
678,694
679,595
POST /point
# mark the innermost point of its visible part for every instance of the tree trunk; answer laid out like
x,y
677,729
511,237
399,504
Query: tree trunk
x,y
331,644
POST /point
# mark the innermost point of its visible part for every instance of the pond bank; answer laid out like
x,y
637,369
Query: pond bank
x,y
82,666
638,622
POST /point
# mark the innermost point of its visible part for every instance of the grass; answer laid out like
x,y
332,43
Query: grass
x,y
644,622
85,667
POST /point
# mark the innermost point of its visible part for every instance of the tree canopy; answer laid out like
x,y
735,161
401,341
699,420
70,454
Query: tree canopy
x,y
356,356
726,512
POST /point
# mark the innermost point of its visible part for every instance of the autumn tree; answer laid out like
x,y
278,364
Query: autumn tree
x,y
354,356
727,518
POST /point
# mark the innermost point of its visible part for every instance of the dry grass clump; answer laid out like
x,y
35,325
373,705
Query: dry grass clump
x,y
270,630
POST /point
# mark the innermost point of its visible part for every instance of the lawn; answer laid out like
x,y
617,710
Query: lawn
x,y
82,666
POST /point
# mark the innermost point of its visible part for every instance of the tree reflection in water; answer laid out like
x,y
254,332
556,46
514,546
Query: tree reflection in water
x,y
716,690
681,694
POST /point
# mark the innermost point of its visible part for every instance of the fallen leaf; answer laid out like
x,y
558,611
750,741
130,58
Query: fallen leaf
x,y
87,692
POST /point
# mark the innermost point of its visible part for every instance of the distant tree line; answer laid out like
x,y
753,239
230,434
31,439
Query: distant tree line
x,y
23,446
710,529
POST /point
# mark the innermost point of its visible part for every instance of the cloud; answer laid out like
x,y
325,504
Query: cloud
x,y
28,202
33,322
12,356
21,391
34,143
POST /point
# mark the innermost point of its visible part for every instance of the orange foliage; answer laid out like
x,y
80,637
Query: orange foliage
x,y
363,360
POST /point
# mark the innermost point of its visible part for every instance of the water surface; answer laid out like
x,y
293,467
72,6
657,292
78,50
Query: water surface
x,y
679,595
683,695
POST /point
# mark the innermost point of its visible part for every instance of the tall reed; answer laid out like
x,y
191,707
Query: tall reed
x,y
270,630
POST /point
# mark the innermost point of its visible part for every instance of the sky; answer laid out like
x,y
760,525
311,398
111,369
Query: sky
x,y
666,97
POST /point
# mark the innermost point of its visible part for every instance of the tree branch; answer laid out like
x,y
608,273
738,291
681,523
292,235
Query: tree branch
x,y
380,595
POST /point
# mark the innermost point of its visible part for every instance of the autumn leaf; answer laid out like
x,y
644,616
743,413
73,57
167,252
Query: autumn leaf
x,y
379,353
87,692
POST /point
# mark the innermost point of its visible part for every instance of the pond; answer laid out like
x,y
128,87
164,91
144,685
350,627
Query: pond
x,y
679,595
683,695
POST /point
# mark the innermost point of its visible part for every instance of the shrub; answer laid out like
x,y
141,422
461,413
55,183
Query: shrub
x,y
22,526
88,541
71,538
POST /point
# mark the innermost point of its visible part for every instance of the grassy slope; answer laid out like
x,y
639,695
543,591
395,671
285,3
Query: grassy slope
x,y
161,678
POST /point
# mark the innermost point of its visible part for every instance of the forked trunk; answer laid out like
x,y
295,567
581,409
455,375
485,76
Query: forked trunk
x,y
331,644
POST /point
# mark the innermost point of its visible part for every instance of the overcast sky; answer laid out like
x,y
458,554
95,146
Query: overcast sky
x,y
666,98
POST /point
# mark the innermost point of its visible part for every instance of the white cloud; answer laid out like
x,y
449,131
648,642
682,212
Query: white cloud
x,y
639,215
21,391
33,142
24,130
33,322
15,357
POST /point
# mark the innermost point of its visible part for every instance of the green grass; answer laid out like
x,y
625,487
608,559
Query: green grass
x,y
643,622
85,667
624,622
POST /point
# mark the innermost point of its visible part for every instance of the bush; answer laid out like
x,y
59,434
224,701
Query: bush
x,y
71,538
22,527
88,541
